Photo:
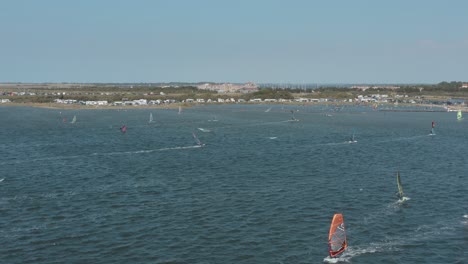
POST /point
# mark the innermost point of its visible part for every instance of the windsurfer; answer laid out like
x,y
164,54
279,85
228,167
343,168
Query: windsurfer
x,y
432,129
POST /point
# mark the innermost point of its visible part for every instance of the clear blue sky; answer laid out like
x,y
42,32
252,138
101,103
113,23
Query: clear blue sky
x,y
398,41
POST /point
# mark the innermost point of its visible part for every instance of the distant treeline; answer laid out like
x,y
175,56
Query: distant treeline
x,y
113,93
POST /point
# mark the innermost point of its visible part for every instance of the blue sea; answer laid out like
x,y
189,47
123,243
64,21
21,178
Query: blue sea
x,y
262,189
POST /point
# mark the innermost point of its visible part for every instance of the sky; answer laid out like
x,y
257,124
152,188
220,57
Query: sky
x,y
262,41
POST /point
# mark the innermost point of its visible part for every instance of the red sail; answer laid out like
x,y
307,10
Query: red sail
x,y
337,237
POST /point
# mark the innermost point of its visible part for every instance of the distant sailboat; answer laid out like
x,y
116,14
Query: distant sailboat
x,y
352,139
123,128
199,143
459,115
180,110
213,119
73,120
293,119
150,118
337,242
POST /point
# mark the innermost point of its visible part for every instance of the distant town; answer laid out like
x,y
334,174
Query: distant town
x,y
157,94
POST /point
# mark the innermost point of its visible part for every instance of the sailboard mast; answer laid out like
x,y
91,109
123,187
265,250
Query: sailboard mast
x,y
337,242
197,140
400,187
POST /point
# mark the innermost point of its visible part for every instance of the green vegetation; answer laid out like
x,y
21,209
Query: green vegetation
x,y
269,93
45,93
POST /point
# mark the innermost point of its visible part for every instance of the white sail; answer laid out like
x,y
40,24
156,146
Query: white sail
x,y
150,118
73,120
293,118
352,139
199,143
400,187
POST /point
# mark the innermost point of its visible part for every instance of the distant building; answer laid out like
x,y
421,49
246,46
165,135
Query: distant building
x,y
229,87
464,85
363,88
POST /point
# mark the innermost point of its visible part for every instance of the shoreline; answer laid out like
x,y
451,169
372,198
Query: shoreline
x,y
92,107
431,108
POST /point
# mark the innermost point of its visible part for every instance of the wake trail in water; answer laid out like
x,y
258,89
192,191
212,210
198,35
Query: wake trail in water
x,y
355,251
419,234
383,212
142,151
100,154
401,139
397,242
374,142
254,124
334,144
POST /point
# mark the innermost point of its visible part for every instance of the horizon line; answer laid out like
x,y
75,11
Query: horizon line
x,y
259,83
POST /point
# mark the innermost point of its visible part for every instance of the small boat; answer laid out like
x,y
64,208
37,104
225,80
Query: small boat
x,y
337,242
73,120
459,115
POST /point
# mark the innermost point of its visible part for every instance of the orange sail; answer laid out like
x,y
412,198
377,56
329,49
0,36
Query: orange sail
x,y
337,237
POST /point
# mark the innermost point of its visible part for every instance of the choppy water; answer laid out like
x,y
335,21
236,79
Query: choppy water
x,y
262,190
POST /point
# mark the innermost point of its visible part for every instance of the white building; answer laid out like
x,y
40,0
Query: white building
x,y
140,102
